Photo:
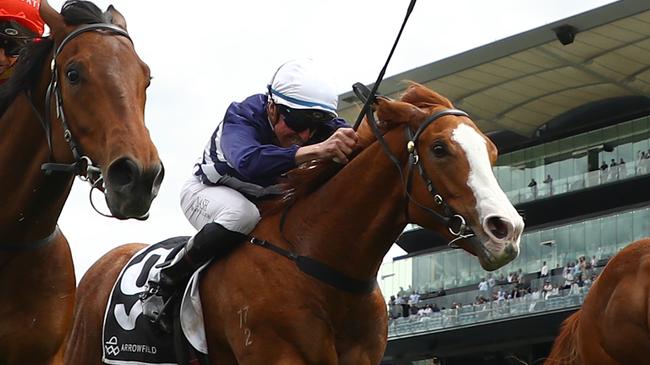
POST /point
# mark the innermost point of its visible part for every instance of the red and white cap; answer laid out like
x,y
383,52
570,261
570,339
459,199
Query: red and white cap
x,y
21,19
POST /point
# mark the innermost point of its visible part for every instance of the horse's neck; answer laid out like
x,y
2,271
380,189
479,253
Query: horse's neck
x,y
31,202
351,222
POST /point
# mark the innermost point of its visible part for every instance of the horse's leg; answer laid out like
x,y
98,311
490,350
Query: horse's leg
x,y
265,344
283,337
257,323
359,356
85,341
364,349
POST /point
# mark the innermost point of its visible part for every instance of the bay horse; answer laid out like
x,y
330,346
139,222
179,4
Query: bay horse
x,y
259,308
74,106
611,327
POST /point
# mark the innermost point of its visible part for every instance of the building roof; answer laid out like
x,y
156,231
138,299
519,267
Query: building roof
x,y
522,83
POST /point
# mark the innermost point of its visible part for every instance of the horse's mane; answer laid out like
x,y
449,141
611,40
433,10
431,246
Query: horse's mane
x,y
27,70
308,177
564,351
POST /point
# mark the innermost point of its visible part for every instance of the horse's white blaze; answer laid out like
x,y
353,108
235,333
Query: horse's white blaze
x,y
490,199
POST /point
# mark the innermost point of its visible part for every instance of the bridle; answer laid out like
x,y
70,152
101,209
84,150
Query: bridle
x,y
456,224
83,166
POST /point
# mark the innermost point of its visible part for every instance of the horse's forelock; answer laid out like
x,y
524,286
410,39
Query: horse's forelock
x,y
76,12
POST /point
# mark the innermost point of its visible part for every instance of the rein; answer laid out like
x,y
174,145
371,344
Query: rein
x,y
83,165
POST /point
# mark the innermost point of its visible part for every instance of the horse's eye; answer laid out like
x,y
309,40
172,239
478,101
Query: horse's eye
x,y
439,150
73,76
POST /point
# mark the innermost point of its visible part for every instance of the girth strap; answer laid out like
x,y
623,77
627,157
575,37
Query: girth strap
x,y
30,245
321,271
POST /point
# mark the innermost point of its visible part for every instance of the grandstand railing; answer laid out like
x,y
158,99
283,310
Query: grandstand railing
x,y
579,182
448,319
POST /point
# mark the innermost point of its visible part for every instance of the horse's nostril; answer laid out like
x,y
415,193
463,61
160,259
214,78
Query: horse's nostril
x,y
122,172
498,227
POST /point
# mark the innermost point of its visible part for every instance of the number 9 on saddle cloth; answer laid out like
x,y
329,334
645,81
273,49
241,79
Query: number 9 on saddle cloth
x,y
128,335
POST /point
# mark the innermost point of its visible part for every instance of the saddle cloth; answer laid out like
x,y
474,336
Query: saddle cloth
x,y
129,338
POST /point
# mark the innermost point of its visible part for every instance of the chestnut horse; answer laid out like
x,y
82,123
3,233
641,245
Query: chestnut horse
x,y
611,327
91,123
259,308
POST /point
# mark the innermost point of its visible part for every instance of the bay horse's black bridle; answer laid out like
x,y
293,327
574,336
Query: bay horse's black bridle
x,y
83,167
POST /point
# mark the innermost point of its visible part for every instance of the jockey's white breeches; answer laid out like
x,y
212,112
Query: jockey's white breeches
x,y
203,204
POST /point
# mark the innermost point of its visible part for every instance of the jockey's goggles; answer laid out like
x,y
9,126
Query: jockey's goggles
x,y
302,119
11,47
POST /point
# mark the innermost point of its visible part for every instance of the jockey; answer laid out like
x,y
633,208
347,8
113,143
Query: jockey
x,y
258,140
20,22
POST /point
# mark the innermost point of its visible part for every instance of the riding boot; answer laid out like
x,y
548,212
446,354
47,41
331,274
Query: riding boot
x,y
212,241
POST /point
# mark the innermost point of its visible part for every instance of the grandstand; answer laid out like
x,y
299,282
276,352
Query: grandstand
x,y
568,105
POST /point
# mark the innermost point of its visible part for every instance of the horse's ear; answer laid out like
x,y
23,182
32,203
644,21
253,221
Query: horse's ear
x,y
393,112
116,17
54,20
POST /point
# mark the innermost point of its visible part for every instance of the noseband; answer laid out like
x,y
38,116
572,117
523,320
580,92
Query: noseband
x,y
456,224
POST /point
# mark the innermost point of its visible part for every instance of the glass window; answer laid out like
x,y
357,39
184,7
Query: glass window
x,y
577,239
592,237
464,263
532,251
641,224
421,271
608,235
450,269
553,169
438,271
624,233
568,159
504,176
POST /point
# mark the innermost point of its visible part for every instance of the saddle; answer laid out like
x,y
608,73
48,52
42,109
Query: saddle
x,y
130,337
